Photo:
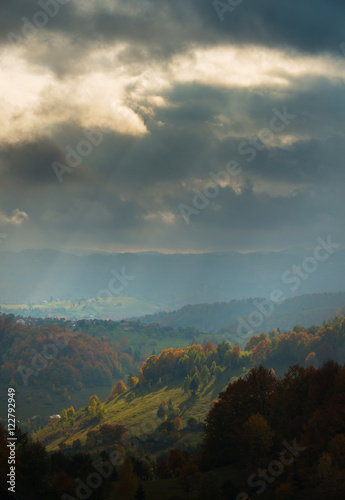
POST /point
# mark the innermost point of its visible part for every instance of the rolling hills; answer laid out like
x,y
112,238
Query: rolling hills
x,y
168,281
311,309
191,379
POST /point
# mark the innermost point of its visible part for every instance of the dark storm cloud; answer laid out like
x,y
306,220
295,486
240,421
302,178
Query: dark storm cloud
x,y
305,25
159,29
251,211
12,14
188,145
124,189
308,162
30,163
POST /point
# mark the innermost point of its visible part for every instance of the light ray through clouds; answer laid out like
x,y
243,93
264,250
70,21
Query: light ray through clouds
x,y
178,92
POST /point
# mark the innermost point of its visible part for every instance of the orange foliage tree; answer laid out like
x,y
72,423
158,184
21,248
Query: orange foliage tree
x,y
118,389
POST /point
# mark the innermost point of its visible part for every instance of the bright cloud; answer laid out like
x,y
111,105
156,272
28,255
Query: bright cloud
x,y
16,218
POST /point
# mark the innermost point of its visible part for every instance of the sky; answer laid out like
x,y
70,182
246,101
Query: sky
x,y
171,125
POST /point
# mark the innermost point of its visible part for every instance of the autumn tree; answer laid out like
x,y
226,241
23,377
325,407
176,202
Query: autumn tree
x,y
337,450
177,423
63,415
176,461
293,346
132,380
311,360
92,408
162,469
71,412
118,389
236,404
256,439
261,351
255,340
188,477
95,399
63,484
325,467
222,348
232,358
204,375
128,481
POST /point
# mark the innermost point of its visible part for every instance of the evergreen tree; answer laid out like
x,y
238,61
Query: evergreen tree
x,y
186,384
162,411
213,367
194,385
171,410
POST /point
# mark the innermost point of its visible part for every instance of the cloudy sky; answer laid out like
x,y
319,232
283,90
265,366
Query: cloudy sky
x,y
171,94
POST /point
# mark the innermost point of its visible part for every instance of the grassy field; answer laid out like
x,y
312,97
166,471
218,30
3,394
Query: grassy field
x,y
31,401
137,408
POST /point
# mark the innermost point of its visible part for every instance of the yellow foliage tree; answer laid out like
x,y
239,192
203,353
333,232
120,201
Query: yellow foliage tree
x,y
70,412
92,408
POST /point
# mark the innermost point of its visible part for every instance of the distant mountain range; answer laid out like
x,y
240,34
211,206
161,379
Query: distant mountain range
x,y
254,315
165,281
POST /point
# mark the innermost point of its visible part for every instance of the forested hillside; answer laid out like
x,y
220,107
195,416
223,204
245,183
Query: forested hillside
x,y
54,356
311,309
291,428
192,370
277,406
53,361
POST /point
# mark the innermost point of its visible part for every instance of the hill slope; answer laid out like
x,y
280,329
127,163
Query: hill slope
x,y
192,378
